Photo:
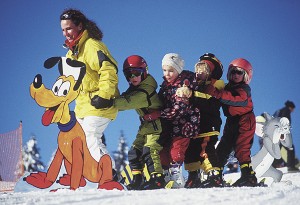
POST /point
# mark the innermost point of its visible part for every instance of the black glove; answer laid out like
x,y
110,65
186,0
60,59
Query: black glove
x,y
100,103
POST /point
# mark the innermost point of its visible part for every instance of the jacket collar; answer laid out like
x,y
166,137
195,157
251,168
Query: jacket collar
x,y
75,47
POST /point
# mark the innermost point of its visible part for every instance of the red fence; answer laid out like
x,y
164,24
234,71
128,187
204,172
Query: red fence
x,y
11,163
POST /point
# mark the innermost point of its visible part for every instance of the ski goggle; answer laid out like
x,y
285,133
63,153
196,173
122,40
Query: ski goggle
x,y
134,72
236,71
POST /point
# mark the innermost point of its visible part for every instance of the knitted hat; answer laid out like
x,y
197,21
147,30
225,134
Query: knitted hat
x,y
174,60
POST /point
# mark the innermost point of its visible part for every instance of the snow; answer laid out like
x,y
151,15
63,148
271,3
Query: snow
x,y
285,192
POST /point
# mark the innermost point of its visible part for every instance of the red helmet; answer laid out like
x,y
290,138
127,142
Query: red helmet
x,y
135,63
243,64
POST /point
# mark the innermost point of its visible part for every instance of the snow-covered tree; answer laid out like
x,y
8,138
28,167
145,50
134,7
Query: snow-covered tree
x,y
31,156
121,155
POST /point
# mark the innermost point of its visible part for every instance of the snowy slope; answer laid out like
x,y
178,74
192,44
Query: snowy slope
x,y
285,192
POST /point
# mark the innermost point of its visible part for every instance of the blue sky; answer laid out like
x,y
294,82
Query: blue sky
x,y
264,32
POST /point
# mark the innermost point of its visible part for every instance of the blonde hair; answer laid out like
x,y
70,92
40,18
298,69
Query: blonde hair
x,y
202,66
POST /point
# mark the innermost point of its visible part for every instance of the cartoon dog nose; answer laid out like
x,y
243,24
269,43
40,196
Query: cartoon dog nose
x,y
37,81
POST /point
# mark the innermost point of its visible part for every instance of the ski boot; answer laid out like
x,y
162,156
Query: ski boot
x,y
247,178
157,181
176,175
193,180
214,179
136,183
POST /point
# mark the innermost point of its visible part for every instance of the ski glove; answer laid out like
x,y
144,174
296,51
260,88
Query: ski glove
x,y
211,90
100,103
184,91
183,94
212,81
184,100
152,116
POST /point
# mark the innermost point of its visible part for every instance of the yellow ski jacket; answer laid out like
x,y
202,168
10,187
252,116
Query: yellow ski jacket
x,y
101,77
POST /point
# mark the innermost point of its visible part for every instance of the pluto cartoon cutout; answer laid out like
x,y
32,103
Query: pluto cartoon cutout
x,y
72,148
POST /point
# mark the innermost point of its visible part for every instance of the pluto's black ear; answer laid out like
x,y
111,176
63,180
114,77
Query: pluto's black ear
x,y
50,62
81,75
77,64
74,63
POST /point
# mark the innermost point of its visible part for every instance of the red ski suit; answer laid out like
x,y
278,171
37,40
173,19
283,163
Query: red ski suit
x,y
240,124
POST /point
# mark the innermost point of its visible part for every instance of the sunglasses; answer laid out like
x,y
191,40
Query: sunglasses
x,y
133,72
66,16
235,71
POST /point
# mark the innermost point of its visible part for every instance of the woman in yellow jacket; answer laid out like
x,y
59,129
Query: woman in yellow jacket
x,y
84,41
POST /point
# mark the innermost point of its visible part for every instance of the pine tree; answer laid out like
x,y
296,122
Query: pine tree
x,y
121,155
31,156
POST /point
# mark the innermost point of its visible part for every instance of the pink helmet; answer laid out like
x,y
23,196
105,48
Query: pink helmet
x,y
243,64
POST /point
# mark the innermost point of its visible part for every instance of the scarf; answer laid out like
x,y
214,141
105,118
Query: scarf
x,y
71,45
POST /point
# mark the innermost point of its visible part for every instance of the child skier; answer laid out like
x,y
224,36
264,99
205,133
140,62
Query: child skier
x,y
180,119
201,152
240,125
142,96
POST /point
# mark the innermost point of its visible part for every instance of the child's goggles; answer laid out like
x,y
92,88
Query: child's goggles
x,y
237,71
133,72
